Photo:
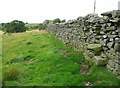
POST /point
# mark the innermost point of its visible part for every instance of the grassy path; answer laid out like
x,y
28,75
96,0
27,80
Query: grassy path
x,y
39,59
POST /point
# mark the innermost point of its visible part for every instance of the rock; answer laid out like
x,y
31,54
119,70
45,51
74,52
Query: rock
x,y
85,29
102,42
98,37
110,44
117,39
112,36
117,46
116,14
109,13
95,47
113,33
102,33
105,49
96,28
105,41
70,21
100,60
110,28
111,40
119,30
115,20
105,17
104,36
93,20
103,55
109,24
111,57
111,63
91,15
80,18
112,51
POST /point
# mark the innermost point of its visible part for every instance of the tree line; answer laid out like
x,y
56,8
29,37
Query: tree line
x,y
19,26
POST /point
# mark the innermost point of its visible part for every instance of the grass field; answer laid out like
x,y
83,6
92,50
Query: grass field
x,y
32,26
37,58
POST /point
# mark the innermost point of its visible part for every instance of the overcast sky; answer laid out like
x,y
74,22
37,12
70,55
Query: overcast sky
x,y
36,11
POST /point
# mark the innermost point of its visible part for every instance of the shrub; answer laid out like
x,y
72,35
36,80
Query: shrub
x,y
42,26
14,27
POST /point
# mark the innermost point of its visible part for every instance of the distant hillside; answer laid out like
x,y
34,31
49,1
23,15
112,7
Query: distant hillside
x,y
32,25
0,26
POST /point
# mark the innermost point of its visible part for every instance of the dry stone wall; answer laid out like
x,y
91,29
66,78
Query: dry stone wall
x,y
97,37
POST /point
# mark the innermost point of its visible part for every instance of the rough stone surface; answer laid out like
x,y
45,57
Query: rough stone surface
x,y
100,60
95,47
90,30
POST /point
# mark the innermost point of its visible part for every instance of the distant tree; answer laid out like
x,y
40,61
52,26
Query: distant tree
x,y
46,22
14,27
42,26
63,21
0,26
26,23
57,20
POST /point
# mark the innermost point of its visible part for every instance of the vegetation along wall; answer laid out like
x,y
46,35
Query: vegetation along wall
x,y
97,37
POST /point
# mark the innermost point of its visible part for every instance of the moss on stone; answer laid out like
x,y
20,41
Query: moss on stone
x,y
109,28
95,47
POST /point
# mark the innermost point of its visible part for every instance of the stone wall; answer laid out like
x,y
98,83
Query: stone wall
x,y
97,37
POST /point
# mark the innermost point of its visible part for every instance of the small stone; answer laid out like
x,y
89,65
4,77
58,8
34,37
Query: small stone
x,y
117,39
88,84
116,13
105,48
100,61
97,37
102,42
111,63
110,44
102,33
117,46
119,30
111,40
110,28
115,20
109,24
113,33
112,36
105,41
104,36
103,55
108,13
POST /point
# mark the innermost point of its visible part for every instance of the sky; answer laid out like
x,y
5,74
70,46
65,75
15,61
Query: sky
x,y
36,11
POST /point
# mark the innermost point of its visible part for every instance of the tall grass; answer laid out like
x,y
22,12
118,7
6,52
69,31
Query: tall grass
x,y
12,72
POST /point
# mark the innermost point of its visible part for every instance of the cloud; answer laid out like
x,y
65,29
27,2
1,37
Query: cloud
x,y
40,10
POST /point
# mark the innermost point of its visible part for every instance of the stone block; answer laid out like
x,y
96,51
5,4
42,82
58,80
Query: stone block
x,y
110,28
111,63
110,44
95,47
100,60
117,46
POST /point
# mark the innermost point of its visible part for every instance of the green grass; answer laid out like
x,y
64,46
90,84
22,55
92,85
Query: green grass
x,y
0,57
1,32
37,55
